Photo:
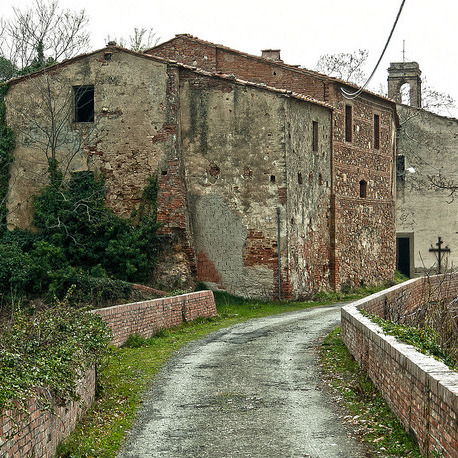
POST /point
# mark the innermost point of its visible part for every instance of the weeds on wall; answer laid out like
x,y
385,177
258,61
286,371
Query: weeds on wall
x,y
431,327
45,354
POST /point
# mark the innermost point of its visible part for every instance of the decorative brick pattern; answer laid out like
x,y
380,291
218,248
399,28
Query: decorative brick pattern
x,y
421,391
145,318
36,433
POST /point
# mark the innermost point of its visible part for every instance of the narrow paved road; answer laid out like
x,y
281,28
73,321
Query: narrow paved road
x,y
251,390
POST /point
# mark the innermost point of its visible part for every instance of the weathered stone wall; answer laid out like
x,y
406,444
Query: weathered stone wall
x,y
422,392
134,127
308,217
360,228
243,148
428,143
364,226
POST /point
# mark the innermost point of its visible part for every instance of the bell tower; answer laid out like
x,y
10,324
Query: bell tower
x,y
401,73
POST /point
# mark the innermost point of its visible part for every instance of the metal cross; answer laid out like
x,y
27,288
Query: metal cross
x,y
403,50
440,251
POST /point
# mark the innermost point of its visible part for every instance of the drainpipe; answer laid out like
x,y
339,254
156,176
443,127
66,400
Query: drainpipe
x,y
278,253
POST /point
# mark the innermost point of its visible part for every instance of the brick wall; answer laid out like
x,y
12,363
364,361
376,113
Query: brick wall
x,y
352,161
145,318
36,432
421,391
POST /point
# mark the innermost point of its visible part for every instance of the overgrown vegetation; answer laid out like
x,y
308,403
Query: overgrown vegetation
x,y
45,354
424,339
362,404
80,242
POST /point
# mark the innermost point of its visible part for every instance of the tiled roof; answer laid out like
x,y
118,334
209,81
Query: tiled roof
x,y
294,68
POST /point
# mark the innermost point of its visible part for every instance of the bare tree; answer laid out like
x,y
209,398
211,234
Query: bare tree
x,y
45,122
43,31
140,40
435,101
345,66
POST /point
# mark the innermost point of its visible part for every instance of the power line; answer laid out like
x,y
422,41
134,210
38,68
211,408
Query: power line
x,y
353,95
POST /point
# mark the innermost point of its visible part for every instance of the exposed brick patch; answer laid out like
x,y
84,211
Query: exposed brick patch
x,y
164,133
171,198
421,391
206,270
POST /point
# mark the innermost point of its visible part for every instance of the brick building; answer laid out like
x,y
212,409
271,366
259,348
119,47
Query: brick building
x,y
270,181
243,169
361,220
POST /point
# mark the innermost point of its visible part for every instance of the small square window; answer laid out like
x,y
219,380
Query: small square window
x,y
84,103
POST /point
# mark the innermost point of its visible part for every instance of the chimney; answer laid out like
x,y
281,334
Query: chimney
x,y
271,54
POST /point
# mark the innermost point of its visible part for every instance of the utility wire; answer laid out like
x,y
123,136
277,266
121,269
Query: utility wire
x,y
353,95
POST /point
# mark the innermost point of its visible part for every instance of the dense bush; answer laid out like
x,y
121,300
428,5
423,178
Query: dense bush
x,y
79,242
47,353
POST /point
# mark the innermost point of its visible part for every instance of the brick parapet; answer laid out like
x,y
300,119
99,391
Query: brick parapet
x,y
421,391
147,317
36,432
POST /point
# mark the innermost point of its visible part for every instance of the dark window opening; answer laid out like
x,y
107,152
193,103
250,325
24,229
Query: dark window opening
x,y
348,123
314,136
107,56
299,177
84,103
272,178
376,131
400,167
310,177
320,179
164,172
403,255
362,189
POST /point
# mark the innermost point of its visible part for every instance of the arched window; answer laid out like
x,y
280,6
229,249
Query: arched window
x,y
362,189
404,93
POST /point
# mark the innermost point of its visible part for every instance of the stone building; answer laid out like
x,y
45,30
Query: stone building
x,y
362,185
427,153
244,170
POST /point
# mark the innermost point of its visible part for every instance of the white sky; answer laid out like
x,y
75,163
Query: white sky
x,y
302,29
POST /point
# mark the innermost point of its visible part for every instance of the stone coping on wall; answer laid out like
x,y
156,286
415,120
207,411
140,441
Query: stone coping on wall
x,y
422,391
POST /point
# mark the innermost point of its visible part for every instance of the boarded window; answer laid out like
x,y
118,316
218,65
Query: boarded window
x,y
348,123
314,136
84,103
376,131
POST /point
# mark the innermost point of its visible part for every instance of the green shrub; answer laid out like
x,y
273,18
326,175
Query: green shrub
x,y
45,354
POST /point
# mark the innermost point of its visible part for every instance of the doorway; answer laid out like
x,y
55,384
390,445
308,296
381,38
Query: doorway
x,y
404,251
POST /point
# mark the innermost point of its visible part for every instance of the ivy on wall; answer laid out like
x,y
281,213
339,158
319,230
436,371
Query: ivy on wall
x,y
6,156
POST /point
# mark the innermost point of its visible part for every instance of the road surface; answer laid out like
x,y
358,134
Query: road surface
x,y
251,390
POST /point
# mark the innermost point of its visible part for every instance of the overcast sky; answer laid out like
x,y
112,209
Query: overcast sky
x,y
302,29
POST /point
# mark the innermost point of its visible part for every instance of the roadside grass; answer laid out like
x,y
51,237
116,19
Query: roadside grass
x,y
365,408
129,371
